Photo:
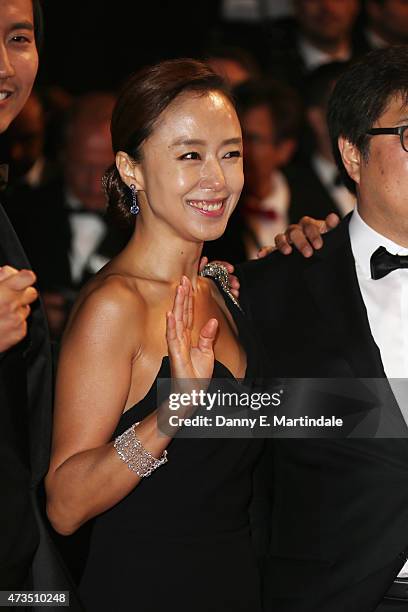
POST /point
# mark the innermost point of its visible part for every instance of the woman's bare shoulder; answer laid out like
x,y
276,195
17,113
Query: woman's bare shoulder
x,y
111,303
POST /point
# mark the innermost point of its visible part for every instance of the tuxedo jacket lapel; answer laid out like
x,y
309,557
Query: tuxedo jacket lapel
x,y
333,283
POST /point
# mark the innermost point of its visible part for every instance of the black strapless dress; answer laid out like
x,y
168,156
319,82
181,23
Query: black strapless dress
x,y
180,541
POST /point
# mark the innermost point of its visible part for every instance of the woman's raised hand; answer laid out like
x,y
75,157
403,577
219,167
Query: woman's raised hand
x,y
187,361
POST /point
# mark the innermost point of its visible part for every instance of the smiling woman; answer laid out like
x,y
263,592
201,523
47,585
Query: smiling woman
x,y
148,314
192,152
191,166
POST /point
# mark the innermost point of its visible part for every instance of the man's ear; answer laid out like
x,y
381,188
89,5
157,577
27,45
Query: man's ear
x,y
351,157
129,170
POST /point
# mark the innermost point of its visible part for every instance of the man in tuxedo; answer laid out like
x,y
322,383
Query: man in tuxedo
x,y
270,116
69,212
315,185
339,518
27,557
321,32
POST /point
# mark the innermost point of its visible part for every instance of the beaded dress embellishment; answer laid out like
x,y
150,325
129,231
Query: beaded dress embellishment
x,y
220,273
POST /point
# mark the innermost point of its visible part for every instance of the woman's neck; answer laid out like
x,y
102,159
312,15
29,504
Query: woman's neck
x,y
162,254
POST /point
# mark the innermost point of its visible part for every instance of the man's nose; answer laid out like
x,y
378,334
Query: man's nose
x,y
212,176
6,67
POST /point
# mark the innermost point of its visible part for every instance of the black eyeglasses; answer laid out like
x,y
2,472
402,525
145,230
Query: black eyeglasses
x,y
401,131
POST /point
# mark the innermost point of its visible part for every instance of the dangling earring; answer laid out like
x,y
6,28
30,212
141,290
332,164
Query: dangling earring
x,y
134,209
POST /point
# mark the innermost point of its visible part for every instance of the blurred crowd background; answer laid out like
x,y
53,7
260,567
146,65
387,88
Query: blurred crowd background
x,y
282,57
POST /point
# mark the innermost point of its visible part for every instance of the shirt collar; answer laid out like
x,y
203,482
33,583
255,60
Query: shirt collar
x,y
314,57
72,201
34,175
375,40
365,240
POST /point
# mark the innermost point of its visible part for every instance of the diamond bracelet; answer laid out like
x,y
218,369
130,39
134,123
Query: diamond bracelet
x,y
136,457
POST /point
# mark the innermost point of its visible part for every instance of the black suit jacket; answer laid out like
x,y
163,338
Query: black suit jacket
x,y
284,60
339,520
27,555
49,246
308,195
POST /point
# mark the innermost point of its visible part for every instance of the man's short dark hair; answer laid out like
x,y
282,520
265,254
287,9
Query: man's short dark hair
x,y
281,100
38,23
362,95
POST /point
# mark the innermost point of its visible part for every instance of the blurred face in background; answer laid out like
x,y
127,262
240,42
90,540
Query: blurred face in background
x,y
326,22
264,153
18,58
389,19
87,155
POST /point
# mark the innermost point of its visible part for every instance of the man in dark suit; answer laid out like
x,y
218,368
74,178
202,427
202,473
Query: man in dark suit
x,y
339,519
320,32
68,212
314,181
27,558
270,116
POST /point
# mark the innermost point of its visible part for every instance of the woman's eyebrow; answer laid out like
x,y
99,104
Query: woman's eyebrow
x,y
197,141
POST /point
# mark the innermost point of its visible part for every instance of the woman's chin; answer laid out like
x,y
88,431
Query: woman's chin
x,y
213,233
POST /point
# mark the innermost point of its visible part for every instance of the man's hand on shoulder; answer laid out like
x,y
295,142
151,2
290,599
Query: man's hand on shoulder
x,y
16,295
305,236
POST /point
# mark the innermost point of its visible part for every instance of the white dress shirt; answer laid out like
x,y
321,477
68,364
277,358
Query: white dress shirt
x,y
314,57
88,230
265,230
386,301
34,176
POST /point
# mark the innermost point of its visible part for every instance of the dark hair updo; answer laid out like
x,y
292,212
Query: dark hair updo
x,y
142,100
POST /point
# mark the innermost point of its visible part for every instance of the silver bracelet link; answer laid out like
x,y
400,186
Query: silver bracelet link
x,y
136,457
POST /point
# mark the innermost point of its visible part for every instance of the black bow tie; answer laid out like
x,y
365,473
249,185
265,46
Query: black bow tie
x,y
3,176
382,263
